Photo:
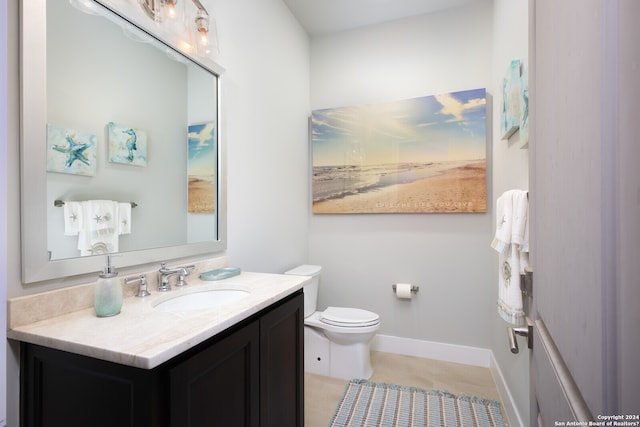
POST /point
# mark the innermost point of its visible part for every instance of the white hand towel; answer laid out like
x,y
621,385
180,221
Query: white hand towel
x,y
509,294
504,221
525,242
73,218
100,232
124,220
519,224
512,243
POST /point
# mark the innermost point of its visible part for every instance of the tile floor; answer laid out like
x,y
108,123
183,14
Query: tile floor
x,y
322,394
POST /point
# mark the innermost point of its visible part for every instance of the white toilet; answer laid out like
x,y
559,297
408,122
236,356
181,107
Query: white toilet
x,y
336,341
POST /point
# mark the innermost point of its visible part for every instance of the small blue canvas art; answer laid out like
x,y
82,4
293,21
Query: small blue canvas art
x,y
524,109
510,115
70,151
127,145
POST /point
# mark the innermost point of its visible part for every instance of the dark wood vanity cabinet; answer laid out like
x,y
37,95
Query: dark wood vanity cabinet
x,y
249,375
65,389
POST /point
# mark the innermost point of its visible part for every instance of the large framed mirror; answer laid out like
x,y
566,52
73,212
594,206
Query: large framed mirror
x,y
121,148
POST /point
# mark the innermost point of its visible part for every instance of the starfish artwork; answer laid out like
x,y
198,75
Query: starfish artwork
x,y
74,151
70,151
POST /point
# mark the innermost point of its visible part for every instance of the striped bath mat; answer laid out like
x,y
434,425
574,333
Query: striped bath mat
x,y
367,404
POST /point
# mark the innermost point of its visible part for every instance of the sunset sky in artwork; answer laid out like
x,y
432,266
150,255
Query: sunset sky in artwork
x,y
434,128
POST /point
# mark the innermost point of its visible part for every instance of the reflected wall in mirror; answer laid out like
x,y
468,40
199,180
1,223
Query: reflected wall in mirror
x,y
138,99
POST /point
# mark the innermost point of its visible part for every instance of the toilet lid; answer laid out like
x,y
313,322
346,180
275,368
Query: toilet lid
x,y
349,317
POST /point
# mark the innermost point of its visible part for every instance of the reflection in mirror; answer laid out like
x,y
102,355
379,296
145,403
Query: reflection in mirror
x,y
129,105
127,119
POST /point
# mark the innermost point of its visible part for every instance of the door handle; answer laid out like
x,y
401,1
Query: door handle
x,y
525,331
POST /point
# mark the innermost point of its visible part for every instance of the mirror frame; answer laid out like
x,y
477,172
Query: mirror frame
x,y
33,172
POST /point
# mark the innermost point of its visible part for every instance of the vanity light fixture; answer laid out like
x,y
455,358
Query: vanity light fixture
x,y
169,12
193,32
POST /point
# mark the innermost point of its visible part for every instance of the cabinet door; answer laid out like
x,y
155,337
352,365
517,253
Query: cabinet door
x,y
220,385
282,365
65,389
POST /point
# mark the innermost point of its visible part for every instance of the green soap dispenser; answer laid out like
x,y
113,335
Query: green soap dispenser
x,y
108,293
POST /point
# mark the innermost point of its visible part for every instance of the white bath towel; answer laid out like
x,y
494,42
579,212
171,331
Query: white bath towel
x,y
124,218
73,218
511,241
100,231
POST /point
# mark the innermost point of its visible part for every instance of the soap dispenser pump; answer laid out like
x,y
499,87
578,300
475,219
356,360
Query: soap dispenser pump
x,y
108,292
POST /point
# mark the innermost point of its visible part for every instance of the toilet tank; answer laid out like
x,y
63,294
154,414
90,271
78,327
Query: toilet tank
x,y
311,289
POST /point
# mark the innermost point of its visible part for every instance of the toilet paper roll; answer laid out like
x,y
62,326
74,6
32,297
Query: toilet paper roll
x,y
403,291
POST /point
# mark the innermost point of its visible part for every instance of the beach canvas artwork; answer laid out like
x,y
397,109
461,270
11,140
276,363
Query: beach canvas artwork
x,y
511,100
425,154
70,151
127,145
201,167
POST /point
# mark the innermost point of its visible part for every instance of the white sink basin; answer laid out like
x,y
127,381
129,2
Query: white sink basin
x,y
205,299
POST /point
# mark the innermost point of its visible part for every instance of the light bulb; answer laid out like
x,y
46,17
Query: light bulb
x,y
171,10
202,30
202,43
204,38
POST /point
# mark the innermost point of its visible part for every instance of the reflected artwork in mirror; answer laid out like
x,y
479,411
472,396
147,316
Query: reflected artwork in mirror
x,y
98,74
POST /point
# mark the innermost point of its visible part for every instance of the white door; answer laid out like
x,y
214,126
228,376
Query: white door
x,y
585,210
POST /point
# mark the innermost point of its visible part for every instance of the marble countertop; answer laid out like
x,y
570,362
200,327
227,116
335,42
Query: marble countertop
x,y
145,337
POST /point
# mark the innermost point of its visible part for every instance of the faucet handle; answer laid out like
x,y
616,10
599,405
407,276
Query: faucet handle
x,y
184,272
142,279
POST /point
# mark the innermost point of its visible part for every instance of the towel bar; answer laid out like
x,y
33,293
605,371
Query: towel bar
x,y
60,203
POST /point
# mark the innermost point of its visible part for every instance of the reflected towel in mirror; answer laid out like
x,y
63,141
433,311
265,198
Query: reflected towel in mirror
x,y
97,223
99,233
124,218
73,218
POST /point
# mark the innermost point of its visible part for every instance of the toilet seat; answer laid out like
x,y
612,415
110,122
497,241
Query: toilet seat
x,y
349,317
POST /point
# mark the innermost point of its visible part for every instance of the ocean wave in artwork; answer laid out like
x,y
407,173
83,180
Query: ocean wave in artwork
x,y
335,182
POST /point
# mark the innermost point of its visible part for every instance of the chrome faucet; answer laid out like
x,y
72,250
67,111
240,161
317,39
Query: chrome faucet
x,y
165,273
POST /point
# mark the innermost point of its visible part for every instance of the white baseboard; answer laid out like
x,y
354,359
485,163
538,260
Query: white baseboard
x,y
432,350
452,353
514,416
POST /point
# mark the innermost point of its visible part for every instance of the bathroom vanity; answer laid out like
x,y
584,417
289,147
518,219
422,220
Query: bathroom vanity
x,y
239,365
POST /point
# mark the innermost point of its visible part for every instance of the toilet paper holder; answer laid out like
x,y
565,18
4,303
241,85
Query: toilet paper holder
x,y
414,288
